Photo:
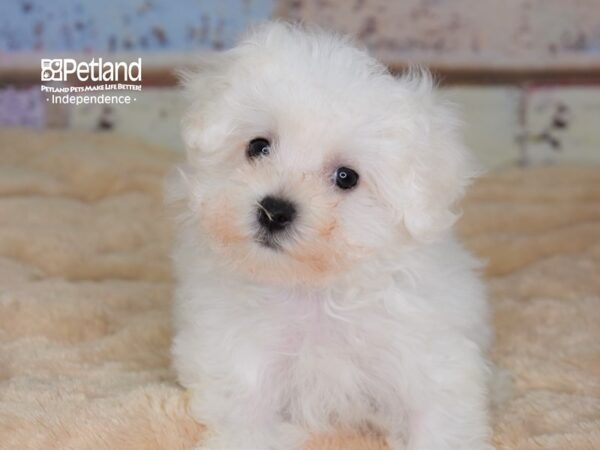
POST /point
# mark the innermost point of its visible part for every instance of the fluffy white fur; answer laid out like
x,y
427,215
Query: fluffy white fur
x,y
370,314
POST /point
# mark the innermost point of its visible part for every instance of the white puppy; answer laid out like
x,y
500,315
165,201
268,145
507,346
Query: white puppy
x,y
319,283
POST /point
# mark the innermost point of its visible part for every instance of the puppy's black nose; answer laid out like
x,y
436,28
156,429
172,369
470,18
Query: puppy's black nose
x,y
274,214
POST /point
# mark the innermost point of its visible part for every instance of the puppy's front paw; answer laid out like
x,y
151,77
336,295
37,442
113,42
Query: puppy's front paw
x,y
279,437
213,441
470,445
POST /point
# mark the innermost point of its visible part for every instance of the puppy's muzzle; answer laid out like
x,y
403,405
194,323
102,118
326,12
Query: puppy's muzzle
x,y
275,214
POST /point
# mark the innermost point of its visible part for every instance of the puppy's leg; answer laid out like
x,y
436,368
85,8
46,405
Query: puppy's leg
x,y
242,422
447,401
235,436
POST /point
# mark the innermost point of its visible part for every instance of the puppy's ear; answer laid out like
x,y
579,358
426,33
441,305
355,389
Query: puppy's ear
x,y
178,191
203,86
206,75
438,165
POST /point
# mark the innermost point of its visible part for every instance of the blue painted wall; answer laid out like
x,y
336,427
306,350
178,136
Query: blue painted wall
x,y
121,25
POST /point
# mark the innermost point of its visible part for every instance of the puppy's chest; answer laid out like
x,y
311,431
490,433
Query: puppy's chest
x,y
318,352
314,335
304,323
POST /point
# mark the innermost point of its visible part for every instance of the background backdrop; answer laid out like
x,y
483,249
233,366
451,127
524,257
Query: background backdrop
x,y
525,72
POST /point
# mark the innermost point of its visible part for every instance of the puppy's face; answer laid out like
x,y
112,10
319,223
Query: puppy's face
x,y
306,159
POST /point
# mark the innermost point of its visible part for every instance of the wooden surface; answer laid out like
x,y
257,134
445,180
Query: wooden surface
x,y
510,37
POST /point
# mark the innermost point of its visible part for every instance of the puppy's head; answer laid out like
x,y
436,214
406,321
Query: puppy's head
x,y
306,158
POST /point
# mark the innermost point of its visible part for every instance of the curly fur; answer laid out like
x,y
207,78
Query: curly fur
x,y
371,314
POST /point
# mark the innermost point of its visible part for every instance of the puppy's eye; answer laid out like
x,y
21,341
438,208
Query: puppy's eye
x,y
258,147
345,178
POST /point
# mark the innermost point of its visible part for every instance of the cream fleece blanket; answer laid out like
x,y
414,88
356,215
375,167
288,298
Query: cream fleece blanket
x,y
85,294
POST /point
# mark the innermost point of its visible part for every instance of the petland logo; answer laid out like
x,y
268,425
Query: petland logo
x,y
105,76
95,70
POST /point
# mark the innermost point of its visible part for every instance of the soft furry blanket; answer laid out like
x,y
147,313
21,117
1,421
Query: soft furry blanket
x,y
85,293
